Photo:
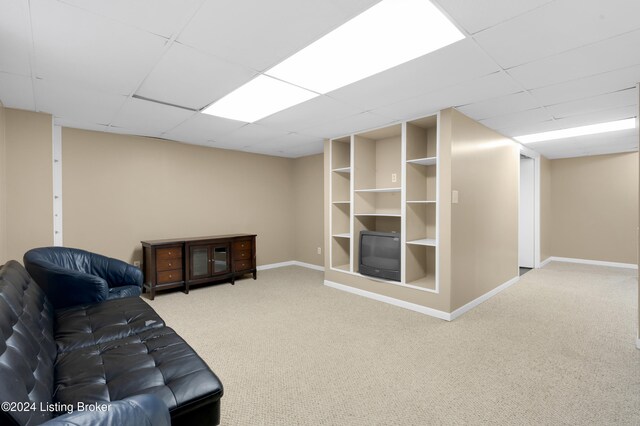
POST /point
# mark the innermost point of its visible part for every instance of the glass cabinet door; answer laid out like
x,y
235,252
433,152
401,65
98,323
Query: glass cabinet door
x,y
220,259
199,261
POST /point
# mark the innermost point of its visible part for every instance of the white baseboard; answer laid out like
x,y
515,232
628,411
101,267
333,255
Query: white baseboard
x,y
390,300
290,263
461,310
545,262
592,262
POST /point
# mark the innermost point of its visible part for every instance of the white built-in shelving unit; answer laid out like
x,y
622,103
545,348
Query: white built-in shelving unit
x,y
386,180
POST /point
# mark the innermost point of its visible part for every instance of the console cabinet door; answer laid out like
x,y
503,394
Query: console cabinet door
x,y
219,259
200,265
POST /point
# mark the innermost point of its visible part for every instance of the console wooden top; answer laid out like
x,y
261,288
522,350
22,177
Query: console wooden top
x,y
193,239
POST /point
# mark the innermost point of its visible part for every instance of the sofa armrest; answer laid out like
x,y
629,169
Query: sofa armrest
x,y
116,272
139,410
65,287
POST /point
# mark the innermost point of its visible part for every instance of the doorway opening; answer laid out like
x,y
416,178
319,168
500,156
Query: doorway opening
x,y
526,215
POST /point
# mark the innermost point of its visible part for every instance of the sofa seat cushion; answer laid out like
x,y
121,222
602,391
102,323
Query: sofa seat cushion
x,y
89,325
155,361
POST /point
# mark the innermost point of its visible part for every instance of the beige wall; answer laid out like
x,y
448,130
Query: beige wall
x,y
29,182
119,190
484,223
594,205
308,191
3,188
545,209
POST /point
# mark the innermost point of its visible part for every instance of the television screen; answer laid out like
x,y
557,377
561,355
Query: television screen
x,y
380,254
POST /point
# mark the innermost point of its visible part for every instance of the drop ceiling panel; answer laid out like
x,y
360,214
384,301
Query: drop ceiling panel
x,y
453,64
588,145
557,27
589,86
573,121
192,79
80,105
346,126
530,116
316,111
72,45
16,91
161,17
608,55
75,124
478,15
250,135
201,128
260,34
514,102
15,37
607,101
489,86
292,145
149,117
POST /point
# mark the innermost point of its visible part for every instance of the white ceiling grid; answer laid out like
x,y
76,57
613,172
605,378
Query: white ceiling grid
x,y
525,66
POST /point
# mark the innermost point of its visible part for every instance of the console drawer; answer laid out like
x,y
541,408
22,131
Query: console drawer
x,y
171,276
168,264
169,253
242,255
241,245
242,265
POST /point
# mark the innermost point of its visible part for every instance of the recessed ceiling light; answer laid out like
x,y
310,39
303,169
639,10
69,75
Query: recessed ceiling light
x,y
592,129
388,34
259,98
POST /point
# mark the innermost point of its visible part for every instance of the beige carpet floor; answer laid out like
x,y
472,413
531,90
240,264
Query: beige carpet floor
x,y
555,348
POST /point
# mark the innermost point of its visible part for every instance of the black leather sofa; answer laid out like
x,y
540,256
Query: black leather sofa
x,y
71,276
117,352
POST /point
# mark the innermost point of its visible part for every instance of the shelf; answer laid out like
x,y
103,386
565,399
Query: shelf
x,y
342,202
420,202
346,170
380,190
341,268
424,282
346,235
424,242
429,161
378,214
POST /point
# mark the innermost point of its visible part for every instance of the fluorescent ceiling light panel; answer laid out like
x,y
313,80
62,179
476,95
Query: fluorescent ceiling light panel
x,y
388,34
257,99
592,129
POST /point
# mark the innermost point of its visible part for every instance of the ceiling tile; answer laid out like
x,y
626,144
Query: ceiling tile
x,y
191,79
69,102
149,117
489,86
453,64
249,135
201,128
74,124
16,91
161,17
478,15
624,141
514,102
314,112
573,121
292,145
557,27
588,86
89,51
15,37
260,34
607,101
346,126
608,55
508,120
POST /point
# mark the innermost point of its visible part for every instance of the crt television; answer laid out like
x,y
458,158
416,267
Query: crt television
x,y
380,255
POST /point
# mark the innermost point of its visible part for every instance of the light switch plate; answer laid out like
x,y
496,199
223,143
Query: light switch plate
x,y
454,197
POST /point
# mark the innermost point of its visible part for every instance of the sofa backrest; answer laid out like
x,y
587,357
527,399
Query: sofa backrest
x,y
27,347
114,271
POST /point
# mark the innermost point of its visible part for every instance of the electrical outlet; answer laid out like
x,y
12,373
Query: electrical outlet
x,y
394,177
319,250
136,263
